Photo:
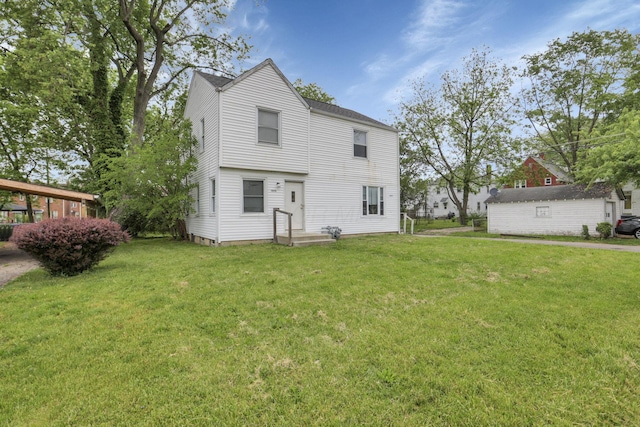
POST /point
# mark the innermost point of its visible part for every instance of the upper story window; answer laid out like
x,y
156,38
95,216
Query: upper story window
x,y
520,184
359,143
547,181
268,127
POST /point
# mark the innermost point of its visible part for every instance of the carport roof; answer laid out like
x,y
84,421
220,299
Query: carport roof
x,y
43,190
598,190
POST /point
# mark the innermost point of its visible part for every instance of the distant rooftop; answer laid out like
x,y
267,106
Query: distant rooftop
x,y
553,192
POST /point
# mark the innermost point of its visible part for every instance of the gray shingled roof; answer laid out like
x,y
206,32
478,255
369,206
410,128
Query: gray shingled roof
x,y
559,173
219,81
553,192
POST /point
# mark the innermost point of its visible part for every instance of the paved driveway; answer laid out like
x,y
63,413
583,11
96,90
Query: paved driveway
x,y
14,263
588,245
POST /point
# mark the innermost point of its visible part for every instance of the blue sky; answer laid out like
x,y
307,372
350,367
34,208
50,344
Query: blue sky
x,y
365,53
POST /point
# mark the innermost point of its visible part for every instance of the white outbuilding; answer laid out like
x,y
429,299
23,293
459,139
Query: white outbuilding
x,y
553,210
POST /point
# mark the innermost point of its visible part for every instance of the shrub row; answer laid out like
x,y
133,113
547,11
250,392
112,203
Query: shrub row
x,y
69,246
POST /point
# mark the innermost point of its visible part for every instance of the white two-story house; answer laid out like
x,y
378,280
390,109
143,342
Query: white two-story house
x,y
263,146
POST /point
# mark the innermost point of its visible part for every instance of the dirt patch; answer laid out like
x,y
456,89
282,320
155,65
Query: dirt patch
x,y
14,263
445,231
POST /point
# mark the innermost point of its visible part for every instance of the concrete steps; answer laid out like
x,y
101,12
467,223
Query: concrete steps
x,y
301,238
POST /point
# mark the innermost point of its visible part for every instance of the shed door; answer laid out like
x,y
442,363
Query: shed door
x,y
611,213
294,203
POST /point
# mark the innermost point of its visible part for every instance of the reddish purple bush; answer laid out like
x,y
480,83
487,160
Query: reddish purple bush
x,y
69,246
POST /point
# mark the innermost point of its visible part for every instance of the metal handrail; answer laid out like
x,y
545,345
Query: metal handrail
x,y
404,226
275,225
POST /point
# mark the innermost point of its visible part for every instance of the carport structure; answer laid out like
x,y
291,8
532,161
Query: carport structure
x,y
46,191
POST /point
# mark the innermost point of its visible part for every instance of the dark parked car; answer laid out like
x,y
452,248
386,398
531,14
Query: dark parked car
x,y
629,226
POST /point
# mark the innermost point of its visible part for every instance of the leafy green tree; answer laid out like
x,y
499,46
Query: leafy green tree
x,y
171,37
574,87
413,191
460,128
313,91
617,158
149,187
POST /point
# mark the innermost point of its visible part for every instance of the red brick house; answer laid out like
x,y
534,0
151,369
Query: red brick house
x,y
538,172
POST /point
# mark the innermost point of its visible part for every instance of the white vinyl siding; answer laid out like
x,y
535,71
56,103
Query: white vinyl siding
x,y
333,188
565,217
203,104
239,134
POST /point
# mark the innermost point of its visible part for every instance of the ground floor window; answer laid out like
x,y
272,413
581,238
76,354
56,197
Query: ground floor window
x,y
253,196
543,211
372,200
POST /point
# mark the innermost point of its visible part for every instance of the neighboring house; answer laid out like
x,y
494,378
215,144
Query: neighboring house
x,y
439,204
538,172
262,146
631,205
552,210
43,207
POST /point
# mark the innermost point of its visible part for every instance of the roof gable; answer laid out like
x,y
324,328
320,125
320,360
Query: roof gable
x,y
223,83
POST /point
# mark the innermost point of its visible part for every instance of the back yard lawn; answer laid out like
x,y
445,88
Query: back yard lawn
x,y
390,330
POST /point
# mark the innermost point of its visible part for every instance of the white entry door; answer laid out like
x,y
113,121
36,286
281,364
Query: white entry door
x,y
294,203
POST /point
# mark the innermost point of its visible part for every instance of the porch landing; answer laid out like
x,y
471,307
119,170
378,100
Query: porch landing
x,y
303,238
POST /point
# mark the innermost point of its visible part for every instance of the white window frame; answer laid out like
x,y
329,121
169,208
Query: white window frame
x,y
365,197
213,195
365,145
548,181
278,129
521,183
543,211
264,196
202,135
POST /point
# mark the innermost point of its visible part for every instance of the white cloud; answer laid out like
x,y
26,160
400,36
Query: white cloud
x,y
434,16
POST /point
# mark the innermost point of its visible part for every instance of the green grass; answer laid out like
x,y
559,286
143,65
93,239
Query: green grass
x,y
390,330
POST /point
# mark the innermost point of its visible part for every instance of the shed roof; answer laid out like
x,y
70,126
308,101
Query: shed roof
x,y
598,190
317,106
